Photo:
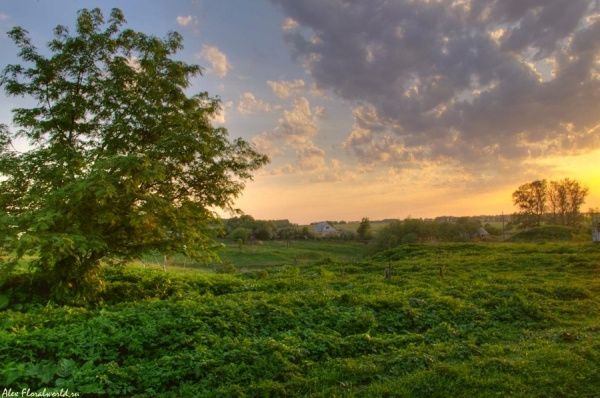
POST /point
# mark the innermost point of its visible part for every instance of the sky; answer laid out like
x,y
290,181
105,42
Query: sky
x,y
380,108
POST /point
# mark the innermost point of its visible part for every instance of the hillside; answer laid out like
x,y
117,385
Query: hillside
x,y
455,320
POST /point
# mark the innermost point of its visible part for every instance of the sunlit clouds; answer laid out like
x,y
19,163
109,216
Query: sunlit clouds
x,y
385,109
217,60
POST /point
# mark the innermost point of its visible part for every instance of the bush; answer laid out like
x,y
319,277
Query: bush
x,y
226,268
410,238
240,234
546,233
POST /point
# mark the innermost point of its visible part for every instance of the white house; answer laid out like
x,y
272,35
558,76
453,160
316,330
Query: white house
x,y
325,229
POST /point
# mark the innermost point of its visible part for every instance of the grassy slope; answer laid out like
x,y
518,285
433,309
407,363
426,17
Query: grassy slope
x,y
505,320
267,254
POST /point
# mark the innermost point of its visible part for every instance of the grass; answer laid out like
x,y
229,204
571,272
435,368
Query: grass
x,y
457,320
264,255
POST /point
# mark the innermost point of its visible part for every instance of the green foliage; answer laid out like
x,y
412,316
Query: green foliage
x,y
226,268
531,200
545,233
262,229
364,229
559,202
416,230
121,160
410,238
240,233
506,320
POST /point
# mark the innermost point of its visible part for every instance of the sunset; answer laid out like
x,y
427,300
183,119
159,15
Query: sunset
x,y
383,109
300,198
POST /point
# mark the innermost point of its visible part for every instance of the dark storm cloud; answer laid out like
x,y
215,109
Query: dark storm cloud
x,y
471,80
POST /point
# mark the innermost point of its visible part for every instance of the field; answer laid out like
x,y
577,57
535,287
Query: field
x,y
268,254
457,320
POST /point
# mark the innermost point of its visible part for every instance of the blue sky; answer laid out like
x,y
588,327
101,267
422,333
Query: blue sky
x,y
381,109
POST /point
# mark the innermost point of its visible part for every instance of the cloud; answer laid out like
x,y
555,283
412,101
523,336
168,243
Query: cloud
x,y
185,20
220,116
265,143
295,132
218,60
249,104
299,124
289,24
283,89
484,84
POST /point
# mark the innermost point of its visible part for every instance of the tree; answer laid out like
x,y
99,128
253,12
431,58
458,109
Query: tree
x,y
240,234
121,159
558,199
562,199
531,200
364,229
576,194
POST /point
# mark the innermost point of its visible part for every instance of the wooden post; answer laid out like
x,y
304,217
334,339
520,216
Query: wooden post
x,y
387,273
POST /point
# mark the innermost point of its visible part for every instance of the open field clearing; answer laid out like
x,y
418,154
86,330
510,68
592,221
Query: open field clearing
x,y
455,320
263,255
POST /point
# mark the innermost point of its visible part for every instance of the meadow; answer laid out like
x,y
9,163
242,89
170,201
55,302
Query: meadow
x,y
471,319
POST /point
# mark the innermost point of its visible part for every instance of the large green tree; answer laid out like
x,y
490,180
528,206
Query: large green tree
x,y
120,160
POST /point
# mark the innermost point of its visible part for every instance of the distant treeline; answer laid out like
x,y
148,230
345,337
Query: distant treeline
x,y
395,232
481,218
462,229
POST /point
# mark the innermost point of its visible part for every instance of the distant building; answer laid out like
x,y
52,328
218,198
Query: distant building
x,y
596,228
324,229
482,233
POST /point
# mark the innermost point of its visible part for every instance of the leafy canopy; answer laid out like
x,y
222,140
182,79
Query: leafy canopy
x,y
121,160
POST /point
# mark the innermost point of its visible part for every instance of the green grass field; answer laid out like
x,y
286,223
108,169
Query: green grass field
x,y
264,255
456,320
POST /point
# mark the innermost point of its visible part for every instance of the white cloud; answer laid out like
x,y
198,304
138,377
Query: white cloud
x,y
264,143
284,88
217,59
289,24
249,104
299,124
185,21
296,130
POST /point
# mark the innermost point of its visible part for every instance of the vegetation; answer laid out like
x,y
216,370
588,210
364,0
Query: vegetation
x,y
261,229
455,320
416,230
543,234
364,229
559,203
121,160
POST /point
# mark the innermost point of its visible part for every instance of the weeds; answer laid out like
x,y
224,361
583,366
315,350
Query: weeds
x,y
507,319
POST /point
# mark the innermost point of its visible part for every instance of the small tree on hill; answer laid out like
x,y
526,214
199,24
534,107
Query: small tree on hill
x,y
121,160
364,229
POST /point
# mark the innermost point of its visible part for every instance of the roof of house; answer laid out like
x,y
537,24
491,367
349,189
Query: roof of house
x,y
324,227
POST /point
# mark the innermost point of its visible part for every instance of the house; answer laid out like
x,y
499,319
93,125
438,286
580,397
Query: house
x,y
483,234
324,229
596,228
